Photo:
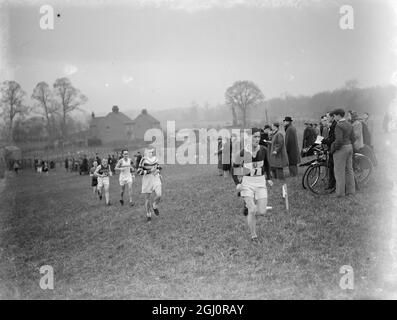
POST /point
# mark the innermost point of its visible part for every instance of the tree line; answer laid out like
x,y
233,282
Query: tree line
x,y
245,104
53,105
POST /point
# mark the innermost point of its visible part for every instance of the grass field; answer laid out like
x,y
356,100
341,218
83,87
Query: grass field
x,y
199,247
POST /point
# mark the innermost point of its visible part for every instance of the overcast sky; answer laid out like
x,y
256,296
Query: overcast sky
x,y
161,54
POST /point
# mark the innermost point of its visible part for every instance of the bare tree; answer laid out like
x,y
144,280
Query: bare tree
x,y
243,95
11,104
70,98
46,106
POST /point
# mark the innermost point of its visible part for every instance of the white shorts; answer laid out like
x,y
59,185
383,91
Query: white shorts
x,y
103,182
125,180
151,183
254,187
39,169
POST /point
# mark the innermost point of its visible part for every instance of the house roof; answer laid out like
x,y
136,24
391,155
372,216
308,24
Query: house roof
x,y
119,115
146,115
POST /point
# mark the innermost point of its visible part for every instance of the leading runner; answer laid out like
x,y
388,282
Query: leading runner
x,y
254,168
126,177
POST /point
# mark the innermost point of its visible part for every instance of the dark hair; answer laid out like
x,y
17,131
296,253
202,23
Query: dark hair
x,y
276,124
255,130
122,150
339,112
267,127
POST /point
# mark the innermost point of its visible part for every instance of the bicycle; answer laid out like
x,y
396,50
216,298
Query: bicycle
x,y
316,176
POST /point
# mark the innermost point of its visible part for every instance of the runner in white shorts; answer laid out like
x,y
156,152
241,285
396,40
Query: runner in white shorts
x,y
254,169
124,165
103,173
151,182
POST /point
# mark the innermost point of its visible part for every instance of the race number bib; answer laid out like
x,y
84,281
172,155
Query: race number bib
x,y
254,168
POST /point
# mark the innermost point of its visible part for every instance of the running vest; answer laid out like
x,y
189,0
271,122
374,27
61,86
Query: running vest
x,y
126,166
104,170
254,166
147,164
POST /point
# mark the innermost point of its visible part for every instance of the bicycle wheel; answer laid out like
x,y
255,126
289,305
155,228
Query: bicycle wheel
x,y
308,165
304,178
362,167
317,179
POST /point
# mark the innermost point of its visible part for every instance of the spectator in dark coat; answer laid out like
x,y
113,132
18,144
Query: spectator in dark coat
x,y
278,158
291,144
226,157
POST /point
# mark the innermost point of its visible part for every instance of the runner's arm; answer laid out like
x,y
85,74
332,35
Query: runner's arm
x,y
96,173
118,166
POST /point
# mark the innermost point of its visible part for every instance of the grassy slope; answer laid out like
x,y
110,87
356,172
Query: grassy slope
x,y
198,248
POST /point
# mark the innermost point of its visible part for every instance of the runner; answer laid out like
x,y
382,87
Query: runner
x,y
254,164
40,165
103,173
45,168
151,181
16,166
125,166
94,179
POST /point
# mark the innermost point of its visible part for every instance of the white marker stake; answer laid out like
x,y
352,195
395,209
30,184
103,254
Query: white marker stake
x,y
285,196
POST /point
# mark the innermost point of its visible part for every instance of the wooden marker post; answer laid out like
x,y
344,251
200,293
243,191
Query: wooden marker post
x,y
285,196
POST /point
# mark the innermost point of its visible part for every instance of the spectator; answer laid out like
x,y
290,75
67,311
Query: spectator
x,y
219,153
362,143
114,162
84,166
324,127
342,150
16,166
291,144
328,142
309,136
265,136
316,130
278,154
226,157
369,123
98,160
357,131
138,159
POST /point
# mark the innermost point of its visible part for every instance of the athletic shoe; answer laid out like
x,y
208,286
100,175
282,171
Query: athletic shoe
x,y
132,204
255,239
148,219
245,212
122,202
108,204
100,197
156,211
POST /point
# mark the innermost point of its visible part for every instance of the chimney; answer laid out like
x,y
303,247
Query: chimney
x,y
115,109
144,111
